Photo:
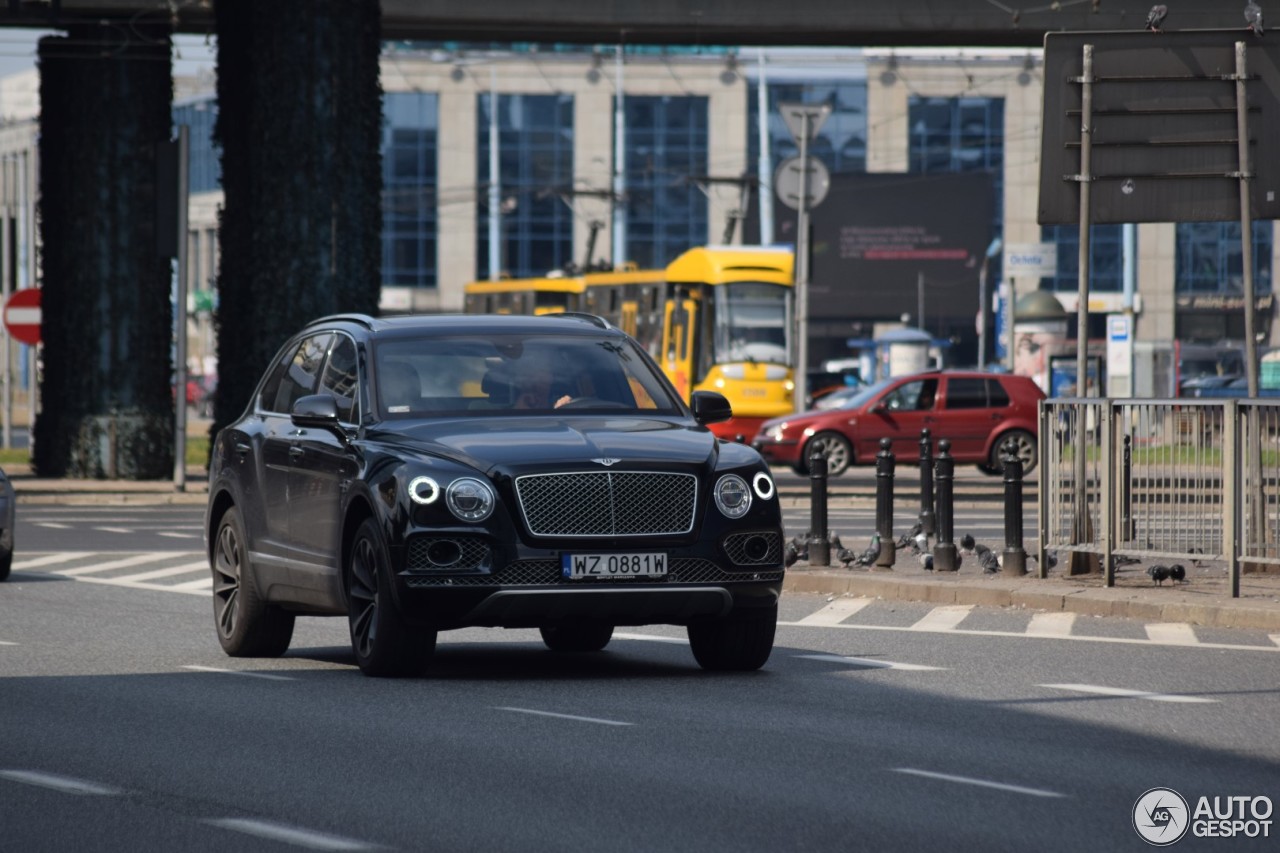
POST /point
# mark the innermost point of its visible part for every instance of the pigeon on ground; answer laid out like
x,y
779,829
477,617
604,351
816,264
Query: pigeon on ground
x,y
1125,560
1253,17
966,542
834,540
1178,573
921,543
870,555
907,538
1156,17
988,559
1194,561
926,561
797,549
1159,574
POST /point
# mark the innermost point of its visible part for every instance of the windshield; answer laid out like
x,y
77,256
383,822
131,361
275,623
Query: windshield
x,y
752,322
520,374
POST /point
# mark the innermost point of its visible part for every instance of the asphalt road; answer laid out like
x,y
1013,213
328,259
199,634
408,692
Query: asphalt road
x,y
876,725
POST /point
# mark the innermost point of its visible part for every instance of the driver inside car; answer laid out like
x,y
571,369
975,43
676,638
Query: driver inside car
x,y
535,380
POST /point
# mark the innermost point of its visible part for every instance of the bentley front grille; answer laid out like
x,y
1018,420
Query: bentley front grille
x,y
608,503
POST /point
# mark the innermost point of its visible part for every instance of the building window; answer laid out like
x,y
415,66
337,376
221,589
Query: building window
x,y
841,143
535,169
410,123
666,141
1106,258
204,157
1209,259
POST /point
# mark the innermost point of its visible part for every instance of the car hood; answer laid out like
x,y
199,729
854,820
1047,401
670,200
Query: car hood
x,y
491,444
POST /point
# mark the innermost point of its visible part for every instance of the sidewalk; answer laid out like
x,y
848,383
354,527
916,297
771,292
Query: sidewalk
x,y
38,490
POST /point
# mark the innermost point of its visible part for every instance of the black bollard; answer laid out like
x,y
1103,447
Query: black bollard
x,y
928,522
819,541
884,505
945,556
1126,495
1015,556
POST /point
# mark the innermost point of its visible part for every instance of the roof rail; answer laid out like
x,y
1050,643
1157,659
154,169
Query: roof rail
x,y
363,319
582,315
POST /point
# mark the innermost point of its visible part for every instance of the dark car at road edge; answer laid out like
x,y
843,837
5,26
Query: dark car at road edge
x,y
385,470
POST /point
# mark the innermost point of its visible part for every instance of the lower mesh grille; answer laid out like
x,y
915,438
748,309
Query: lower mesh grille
x,y
769,547
547,573
471,553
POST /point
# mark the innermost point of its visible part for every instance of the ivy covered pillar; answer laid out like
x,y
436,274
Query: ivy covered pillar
x,y
299,123
105,387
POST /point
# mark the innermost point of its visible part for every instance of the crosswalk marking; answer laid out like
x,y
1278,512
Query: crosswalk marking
x,y
172,535
53,525
51,559
1275,638
872,663
185,569
135,560
1172,633
835,612
943,618
198,585
114,529
1051,624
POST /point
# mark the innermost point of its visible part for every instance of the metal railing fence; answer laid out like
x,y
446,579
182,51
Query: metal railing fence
x,y
1184,479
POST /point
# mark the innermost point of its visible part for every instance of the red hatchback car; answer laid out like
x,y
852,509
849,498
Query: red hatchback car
x,y
977,412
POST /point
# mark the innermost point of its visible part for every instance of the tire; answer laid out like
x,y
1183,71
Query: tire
x,y
741,641
577,636
385,645
247,625
837,449
1025,445
6,554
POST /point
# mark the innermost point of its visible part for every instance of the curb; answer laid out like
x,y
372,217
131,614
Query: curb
x,y
1260,611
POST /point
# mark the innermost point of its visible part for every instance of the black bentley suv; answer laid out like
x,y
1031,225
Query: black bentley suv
x,y
422,473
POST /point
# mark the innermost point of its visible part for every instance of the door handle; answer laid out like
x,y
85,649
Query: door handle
x,y
295,453
242,449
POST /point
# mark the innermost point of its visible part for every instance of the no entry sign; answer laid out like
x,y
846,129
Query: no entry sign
x,y
22,315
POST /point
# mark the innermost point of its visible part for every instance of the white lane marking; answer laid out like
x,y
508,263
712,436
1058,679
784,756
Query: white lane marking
x,y
651,638
7,643
1235,647
290,834
1275,638
53,525
173,535
1125,693
573,717
220,671
836,612
115,529
154,587
982,783
1051,624
1172,634
873,662
184,569
135,560
65,784
943,618
200,585
51,559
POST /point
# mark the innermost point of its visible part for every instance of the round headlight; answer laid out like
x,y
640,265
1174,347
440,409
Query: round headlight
x,y
763,484
470,499
733,498
423,490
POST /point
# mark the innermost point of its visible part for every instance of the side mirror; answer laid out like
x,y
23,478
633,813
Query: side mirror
x,y
316,410
710,407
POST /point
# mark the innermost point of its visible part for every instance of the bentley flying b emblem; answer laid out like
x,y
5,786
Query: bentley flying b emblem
x,y
606,461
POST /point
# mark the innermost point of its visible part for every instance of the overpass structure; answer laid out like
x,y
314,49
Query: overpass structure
x,y
730,22
299,228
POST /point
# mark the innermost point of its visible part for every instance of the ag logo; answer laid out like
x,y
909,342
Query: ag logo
x,y
1161,816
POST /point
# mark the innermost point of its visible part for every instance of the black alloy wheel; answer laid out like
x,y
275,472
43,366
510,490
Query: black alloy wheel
x,y
247,625
384,645
577,636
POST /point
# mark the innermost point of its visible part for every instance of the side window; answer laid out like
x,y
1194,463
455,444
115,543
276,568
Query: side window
x,y
966,393
341,378
997,397
904,397
297,378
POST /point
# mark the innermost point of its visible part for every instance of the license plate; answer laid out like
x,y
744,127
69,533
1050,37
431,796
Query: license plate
x,y
641,565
